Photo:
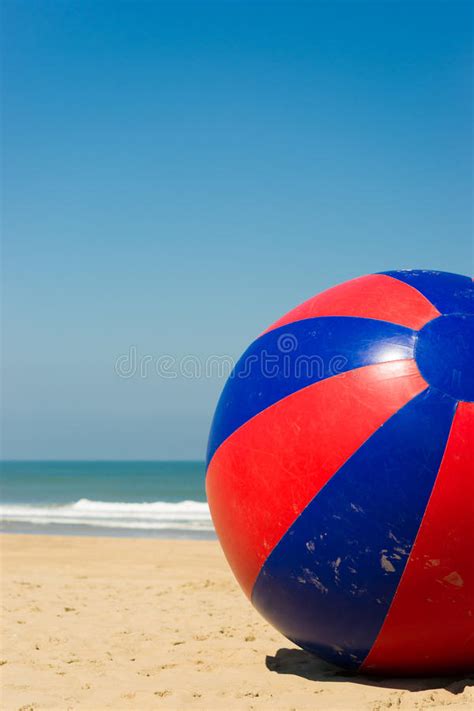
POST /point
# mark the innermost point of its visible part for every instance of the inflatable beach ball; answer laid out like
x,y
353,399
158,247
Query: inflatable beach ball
x,y
340,473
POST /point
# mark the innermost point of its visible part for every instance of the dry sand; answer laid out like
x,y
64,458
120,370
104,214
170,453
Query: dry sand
x,y
144,624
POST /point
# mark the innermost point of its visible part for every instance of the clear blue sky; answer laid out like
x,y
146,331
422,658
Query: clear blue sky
x,y
178,175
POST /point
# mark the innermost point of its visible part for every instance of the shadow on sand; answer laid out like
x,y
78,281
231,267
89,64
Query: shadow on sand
x,y
308,666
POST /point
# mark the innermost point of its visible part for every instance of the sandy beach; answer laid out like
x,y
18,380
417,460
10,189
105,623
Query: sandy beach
x,y
104,623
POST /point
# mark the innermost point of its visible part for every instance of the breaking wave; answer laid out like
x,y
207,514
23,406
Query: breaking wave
x,y
157,515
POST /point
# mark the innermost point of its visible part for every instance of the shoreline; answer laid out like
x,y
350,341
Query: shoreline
x,y
87,531
133,623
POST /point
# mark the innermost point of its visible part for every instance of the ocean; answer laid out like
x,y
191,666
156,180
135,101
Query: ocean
x,y
116,498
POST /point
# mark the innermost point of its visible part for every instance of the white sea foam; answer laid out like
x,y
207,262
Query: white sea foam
x,y
158,515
